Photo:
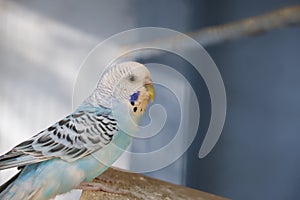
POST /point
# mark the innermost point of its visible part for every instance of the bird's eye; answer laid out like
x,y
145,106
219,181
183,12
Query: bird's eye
x,y
132,78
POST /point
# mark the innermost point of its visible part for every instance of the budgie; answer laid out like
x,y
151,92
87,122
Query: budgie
x,y
84,144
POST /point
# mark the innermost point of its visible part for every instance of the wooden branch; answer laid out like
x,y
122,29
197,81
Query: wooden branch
x,y
126,185
252,26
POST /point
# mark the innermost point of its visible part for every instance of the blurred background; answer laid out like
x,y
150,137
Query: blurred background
x,y
43,43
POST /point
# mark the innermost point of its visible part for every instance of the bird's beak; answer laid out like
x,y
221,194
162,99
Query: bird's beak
x,y
150,89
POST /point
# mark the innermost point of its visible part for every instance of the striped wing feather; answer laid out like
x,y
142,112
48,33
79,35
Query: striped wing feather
x,y
72,138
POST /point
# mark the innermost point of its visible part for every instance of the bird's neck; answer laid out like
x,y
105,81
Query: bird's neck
x,y
103,100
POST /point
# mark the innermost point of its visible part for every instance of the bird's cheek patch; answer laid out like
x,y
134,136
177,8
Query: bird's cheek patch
x,y
134,97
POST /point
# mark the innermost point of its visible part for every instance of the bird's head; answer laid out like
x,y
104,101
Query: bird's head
x,y
127,83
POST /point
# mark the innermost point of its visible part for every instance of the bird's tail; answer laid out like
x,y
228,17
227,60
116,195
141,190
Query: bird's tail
x,y
5,185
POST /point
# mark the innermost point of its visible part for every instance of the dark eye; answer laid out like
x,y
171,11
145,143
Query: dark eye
x,y
132,78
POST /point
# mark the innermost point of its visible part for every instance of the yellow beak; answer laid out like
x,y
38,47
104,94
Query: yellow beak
x,y
150,90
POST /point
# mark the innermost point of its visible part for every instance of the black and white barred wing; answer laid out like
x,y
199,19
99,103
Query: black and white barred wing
x,y
74,137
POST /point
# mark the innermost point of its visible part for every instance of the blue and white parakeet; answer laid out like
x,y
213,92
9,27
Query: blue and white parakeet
x,y
84,144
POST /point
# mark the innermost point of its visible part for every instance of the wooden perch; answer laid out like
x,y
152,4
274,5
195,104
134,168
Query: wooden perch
x,y
127,185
